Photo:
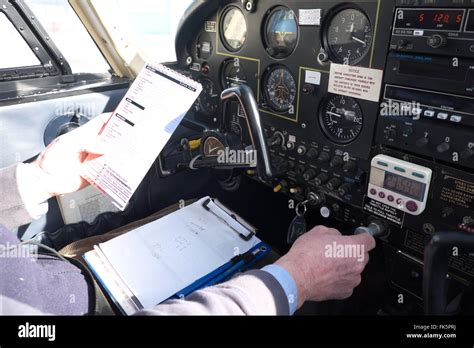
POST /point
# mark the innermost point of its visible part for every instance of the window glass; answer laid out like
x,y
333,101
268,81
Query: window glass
x,y
69,34
15,53
150,24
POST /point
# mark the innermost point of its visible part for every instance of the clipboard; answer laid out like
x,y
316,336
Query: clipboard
x,y
245,230
165,252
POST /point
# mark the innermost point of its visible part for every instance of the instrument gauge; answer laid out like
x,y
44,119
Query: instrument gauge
x,y
280,32
348,36
280,89
232,74
233,28
341,119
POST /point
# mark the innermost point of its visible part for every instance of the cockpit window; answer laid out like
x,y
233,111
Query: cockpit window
x,y
69,34
17,53
151,25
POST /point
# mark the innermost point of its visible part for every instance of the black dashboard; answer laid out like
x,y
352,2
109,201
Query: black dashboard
x,y
367,108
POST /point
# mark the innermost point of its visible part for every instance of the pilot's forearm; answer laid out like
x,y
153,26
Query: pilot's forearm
x,y
253,293
22,199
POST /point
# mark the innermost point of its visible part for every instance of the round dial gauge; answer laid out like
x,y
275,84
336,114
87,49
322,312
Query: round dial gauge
x,y
233,29
348,36
232,74
280,89
341,119
281,32
208,99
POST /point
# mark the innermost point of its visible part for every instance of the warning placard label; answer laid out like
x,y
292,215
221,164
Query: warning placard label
x,y
384,211
356,82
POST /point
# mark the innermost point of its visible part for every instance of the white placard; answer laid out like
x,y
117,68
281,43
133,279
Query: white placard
x,y
356,82
310,16
313,77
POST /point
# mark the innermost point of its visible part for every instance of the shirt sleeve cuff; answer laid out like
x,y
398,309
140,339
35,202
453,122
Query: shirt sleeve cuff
x,y
35,199
288,284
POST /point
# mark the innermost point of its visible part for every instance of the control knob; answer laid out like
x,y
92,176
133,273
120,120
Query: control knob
x,y
336,162
437,41
333,184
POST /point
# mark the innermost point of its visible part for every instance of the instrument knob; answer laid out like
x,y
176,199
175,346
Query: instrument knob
x,y
442,148
312,153
344,190
422,142
349,167
301,150
437,41
309,175
333,184
468,153
321,179
336,162
324,157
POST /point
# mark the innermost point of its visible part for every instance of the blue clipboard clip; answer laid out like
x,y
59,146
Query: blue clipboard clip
x,y
237,224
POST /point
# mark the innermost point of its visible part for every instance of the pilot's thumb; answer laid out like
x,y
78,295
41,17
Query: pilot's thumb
x,y
364,239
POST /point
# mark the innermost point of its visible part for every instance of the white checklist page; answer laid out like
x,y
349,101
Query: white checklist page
x,y
139,129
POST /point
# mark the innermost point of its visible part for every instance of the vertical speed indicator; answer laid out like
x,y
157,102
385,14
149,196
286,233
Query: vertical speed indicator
x,y
341,119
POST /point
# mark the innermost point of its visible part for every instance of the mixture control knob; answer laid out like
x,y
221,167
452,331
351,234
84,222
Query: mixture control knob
x,y
321,179
336,162
422,142
444,147
324,157
301,150
333,184
312,153
349,167
437,41
309,175
344,190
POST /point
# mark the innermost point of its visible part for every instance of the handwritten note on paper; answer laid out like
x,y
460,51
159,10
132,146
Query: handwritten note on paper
x,y
173,252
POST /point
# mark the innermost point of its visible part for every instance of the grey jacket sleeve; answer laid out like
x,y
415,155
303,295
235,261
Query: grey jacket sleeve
x,y
12,210
252,293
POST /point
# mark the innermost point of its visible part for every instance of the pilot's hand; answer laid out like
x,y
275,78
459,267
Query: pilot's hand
x,y
59,165
320,271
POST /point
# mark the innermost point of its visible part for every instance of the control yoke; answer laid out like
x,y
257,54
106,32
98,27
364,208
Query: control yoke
x,y
247,101
436,264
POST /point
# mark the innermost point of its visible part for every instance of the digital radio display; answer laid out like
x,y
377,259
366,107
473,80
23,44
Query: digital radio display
x,y
405,186
430,19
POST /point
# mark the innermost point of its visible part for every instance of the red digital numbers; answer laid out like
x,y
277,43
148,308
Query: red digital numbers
x,y
442,18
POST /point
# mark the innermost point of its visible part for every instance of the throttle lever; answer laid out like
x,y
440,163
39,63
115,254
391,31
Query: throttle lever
x,y
377,229
244,95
